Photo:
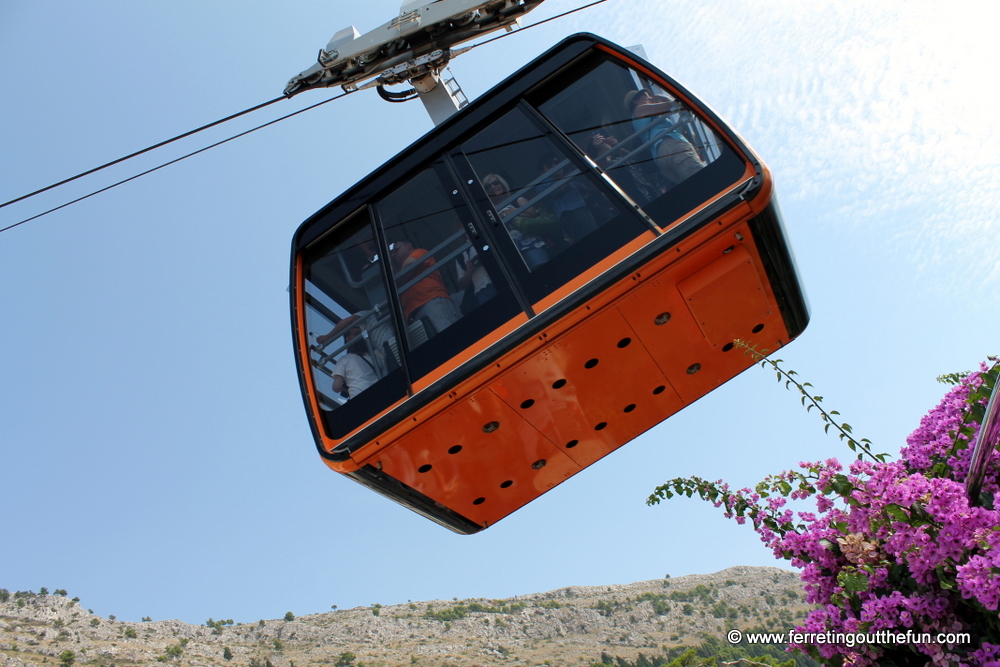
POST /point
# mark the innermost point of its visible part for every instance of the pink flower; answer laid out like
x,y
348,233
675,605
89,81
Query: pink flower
x,y
904,549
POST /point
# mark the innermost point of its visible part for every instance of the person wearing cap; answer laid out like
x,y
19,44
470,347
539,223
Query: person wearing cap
x,y
673,154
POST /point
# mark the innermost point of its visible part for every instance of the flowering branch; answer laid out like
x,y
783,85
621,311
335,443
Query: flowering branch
x,y
896,548
864,444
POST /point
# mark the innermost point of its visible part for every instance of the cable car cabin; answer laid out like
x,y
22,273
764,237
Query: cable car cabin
x,y
554,270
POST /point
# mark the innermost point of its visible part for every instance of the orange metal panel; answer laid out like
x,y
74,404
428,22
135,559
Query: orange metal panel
x,y
592,390
482,472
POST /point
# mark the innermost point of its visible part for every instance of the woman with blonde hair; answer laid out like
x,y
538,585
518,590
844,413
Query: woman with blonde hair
x,y
523,227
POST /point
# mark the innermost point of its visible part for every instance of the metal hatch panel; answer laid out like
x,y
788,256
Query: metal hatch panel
x,y
709,296
689,314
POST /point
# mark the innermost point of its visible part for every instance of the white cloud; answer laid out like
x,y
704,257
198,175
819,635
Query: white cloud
x,y
883,116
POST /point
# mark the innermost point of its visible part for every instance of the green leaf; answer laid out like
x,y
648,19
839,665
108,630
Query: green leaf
x,y
940,469
853,582
896,512
945,580
842,485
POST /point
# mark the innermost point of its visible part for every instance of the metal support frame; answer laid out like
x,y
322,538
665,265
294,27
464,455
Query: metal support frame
x,y
443,98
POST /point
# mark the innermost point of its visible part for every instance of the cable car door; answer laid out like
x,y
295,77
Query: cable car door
x,y
446,280
551,215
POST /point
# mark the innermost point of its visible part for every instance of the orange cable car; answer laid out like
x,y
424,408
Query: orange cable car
x,y
555,269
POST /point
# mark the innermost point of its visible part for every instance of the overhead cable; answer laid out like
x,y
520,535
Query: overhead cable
x,y
388,95
144,150
167,164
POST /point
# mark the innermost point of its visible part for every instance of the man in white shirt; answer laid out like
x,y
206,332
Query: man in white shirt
x,y
353,370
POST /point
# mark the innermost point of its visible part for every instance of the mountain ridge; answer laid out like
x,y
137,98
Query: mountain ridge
x,y
573,625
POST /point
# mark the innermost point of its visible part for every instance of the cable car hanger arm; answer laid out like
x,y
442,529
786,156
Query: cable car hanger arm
x,y
422,28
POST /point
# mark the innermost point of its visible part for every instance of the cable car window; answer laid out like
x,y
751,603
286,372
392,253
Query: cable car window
x,y
554,218
643,137
350,324
443,271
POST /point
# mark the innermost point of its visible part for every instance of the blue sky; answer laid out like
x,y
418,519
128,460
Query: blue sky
x,y
154,454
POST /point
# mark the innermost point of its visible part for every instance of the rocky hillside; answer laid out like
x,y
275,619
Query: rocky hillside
x,y
569,626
